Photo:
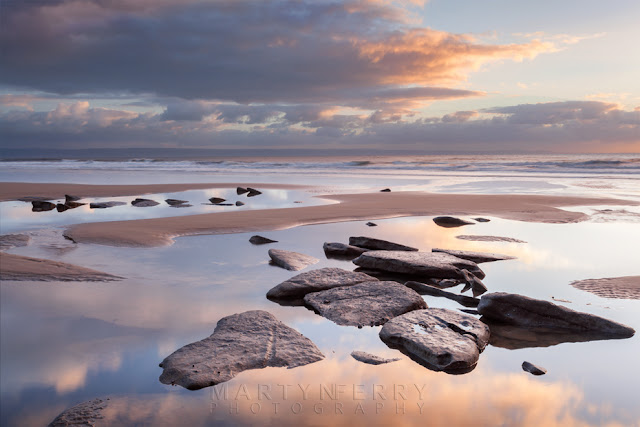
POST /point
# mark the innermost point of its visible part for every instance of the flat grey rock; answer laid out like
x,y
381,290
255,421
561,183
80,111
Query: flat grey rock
x,y
289,260
216,200
426,289
533,369
475,238
260,240
427,264
316,281
440,339
105,205
371,359
9,241
477,257
175,202
83,414
341,250
250,340
144,203
523,311
378,244
365,304
451,221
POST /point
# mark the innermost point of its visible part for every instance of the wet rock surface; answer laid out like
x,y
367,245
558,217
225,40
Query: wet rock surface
x,y
289,260
260,240
533,369
440,339
175,202
371,359
250,340
316,281
426,264
340,250
144,203
451,221
40,206
365,304
378,244
426,289
83,414
477,257
514,309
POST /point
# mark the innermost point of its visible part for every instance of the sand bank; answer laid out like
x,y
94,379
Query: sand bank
x,y
161,231
627,287
54,191
17,267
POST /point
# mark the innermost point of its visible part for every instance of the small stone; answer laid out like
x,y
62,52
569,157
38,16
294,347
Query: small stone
x,y
533,369
68,198
481,219
239,203
144,203
378,244
259,240
217,200
450,221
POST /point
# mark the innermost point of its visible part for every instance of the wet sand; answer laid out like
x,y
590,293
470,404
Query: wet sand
x,y
17,267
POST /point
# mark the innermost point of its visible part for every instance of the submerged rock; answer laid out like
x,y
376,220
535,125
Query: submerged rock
x,y
259,240
175,202
451,221
341,250
378,244
217,200
425,289
9,241
477,287
144,203
440,339
61,208
250,340
523,311
41,206
316,281
475,238
426,264
83,414
371,224
371,359
104,205
533,369
477,257
365,304
289,260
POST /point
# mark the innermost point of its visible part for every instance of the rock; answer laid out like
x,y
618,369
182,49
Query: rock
x,y
425,289
73,205
477,257
440,339
175,202
477,287
377,244
252,192
371,359
104,205
523,311
316,281
450,221
365,304
386,190
250,340
291,260
481,219
371,224
240,191
83,414
342,250
144,203
40,206
61,208
259,240
488,239
533,369
217,200
68,198
425,264
627,287
239,203
9,241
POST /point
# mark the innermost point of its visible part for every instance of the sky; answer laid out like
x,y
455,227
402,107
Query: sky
x,y
437,76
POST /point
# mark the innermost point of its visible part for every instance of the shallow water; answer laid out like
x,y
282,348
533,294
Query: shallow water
x,y
64,343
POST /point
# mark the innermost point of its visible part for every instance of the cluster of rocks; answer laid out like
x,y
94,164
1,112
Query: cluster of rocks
x,y
70,202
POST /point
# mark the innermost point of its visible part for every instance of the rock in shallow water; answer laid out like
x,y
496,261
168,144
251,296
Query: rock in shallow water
x,y
427,264
440,339
293,261
365,304
144,203
316,281
451,221
523,311
378,244
477,257
533,369
259,240
371,359
105,205
341,250
250,340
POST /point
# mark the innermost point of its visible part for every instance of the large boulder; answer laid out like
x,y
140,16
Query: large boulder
x,y
316,281
289,260
250,340
69,198
175,202
365,304
426,264
477,257
371,359
426,289
451,221
378,244
528,312
440,339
